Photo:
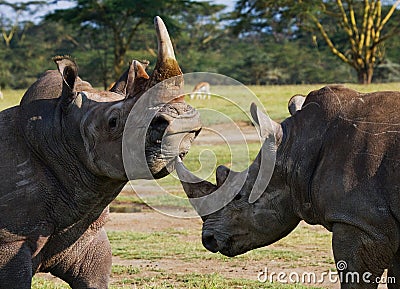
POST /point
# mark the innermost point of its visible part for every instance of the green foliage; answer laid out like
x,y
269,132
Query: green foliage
x,y
354,31
260,44
162,280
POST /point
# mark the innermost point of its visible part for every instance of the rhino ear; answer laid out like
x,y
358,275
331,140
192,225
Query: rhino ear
x,y
69,72
126,83
137,86
268,127
295,103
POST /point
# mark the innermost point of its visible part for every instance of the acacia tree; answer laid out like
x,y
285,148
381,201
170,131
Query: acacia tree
x,y
13,27
11,23
361,22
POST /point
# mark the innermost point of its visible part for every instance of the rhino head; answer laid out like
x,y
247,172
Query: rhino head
x,y
244,211
64,117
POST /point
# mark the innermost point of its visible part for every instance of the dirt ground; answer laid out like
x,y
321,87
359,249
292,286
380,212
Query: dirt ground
x,y
154,221
149,221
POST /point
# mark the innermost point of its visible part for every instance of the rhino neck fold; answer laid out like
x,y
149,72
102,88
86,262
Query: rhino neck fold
x,y
298,157
79,193
89,194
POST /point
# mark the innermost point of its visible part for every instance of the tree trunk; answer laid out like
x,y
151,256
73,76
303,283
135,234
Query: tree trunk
x,y
119,55
370,74
365,75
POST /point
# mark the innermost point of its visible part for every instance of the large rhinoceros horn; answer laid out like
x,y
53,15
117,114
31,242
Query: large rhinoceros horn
x,y
135,81
193,185
205,197
166,66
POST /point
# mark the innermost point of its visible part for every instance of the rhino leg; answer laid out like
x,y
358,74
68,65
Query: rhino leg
x,y
394,273
15,266
361,256
88,263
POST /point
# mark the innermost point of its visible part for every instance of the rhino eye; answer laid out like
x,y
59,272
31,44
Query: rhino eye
x,y
237,197
112,122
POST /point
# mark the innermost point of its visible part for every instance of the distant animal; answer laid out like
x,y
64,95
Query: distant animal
x,y
61,165
201,91
337,165
1,95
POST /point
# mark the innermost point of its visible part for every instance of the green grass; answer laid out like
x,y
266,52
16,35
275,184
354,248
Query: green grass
x,y
126,277
133,199
216,281
176,245
44,283
196,281
123,270
273,97
11,98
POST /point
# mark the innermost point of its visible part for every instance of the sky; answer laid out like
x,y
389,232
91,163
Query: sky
x,y
4,10
230,4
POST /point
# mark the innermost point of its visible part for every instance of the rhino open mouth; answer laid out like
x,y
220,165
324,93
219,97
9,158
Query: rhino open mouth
x,y
170,134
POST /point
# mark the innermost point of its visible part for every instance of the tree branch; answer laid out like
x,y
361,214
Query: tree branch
x,y
133,31
329,41
345,20
388,15
364,26
353,21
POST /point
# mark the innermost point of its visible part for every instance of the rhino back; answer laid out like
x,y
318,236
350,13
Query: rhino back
x,y
49,86
356,178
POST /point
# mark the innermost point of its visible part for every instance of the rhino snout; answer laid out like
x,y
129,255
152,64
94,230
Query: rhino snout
x,y
171,133
180,132
183,123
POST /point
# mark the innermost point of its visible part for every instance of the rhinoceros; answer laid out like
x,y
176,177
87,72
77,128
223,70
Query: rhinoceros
x,y
337,164
61,165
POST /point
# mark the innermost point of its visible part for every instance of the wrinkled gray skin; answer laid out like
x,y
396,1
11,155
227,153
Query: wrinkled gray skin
x,y
61,165
337,164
